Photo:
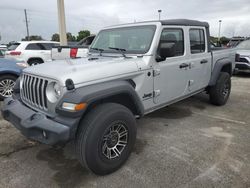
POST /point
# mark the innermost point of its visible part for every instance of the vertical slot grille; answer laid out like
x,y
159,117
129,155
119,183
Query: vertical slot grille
x,y
33,91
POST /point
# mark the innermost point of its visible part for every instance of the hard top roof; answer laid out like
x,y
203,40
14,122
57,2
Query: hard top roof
x,y
184,22
180,22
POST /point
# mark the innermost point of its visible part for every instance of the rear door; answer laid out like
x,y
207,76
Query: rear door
x,y
199,59
34,50
170,75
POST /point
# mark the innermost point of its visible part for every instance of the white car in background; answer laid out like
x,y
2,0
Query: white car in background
x,y
31,52
242,63
3,48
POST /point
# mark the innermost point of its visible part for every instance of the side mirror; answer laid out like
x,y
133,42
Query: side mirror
x,y
166,49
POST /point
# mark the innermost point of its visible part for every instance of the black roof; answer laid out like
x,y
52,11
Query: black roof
x,y
184,22
181,22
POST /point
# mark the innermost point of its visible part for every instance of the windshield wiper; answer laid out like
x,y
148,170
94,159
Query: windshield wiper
x,y
98,49
122,50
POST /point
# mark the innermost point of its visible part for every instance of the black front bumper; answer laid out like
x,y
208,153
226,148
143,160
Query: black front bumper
x,y
240,66
35,125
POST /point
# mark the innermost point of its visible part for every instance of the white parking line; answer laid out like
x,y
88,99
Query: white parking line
x,y
221,118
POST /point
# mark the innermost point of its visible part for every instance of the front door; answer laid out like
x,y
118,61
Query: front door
x,y
170,75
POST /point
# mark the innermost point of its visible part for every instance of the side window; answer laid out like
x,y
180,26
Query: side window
x,y
34,46
197,41
171,43
48,46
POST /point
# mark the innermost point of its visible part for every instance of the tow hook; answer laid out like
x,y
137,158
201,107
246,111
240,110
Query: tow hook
x,y
35,117
10,102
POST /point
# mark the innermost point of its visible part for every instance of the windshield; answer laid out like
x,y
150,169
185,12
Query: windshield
x,y
244,45
13,46
135,40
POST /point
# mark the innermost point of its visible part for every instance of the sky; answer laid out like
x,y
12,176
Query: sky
x,y
95,14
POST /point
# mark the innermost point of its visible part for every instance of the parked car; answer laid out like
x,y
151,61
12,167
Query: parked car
x,y
32,52
3,48
132,70
2,52
243,57
9,72
81,49
235,41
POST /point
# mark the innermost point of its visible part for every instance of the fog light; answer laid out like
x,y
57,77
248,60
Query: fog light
x,y
74,107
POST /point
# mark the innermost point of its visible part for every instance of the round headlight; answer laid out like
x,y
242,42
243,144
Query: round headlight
x,y
53,92
57,89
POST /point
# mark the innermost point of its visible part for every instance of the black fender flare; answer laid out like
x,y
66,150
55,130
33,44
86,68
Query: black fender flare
x,y
218,68
92,93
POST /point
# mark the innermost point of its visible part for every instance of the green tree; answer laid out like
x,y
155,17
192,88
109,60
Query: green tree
x,y
224,40
214,39
70,37
55,37
83,34
32,37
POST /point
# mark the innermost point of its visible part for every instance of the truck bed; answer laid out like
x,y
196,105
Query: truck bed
x,y
65,52
222,53
72,51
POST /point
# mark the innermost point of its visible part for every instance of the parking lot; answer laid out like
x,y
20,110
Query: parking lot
x,y
189,144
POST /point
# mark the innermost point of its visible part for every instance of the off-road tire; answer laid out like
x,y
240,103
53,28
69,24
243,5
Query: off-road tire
x,y
90,134
220,92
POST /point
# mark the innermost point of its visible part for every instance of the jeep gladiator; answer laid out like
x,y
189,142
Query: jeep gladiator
x,y
132,70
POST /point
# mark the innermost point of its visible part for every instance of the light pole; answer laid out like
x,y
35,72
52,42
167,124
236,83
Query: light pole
x,y
62,24
27,25
219,31
159,11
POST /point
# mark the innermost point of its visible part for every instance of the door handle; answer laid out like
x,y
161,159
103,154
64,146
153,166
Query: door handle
x,y
204,61
184,65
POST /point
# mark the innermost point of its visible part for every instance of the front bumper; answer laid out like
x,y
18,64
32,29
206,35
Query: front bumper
x,y
34,125
242,66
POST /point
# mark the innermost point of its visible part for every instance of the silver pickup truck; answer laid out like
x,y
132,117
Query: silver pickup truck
x,y
132,70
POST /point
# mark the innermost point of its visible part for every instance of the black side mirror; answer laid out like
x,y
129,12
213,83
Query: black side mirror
x,y
165,50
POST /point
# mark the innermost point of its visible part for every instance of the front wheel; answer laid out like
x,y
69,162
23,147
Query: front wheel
x,y
219,93
105,138
7,83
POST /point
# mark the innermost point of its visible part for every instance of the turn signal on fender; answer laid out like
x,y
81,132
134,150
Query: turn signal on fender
x,y
74,107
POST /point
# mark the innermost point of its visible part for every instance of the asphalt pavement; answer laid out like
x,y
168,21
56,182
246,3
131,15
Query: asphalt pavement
x,y
188,144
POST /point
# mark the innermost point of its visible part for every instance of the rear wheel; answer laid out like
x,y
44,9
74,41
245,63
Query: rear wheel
x,y
7,83
105,138
219,93
33,62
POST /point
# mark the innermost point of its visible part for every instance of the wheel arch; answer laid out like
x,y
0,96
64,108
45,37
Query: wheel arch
x,y
123,98
121,92
11,73
222,65
35,58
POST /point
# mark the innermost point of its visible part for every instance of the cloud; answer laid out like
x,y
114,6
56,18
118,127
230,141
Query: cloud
x,y
95,14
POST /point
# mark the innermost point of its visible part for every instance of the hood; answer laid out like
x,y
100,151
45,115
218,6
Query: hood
x,y
243,53
84,69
